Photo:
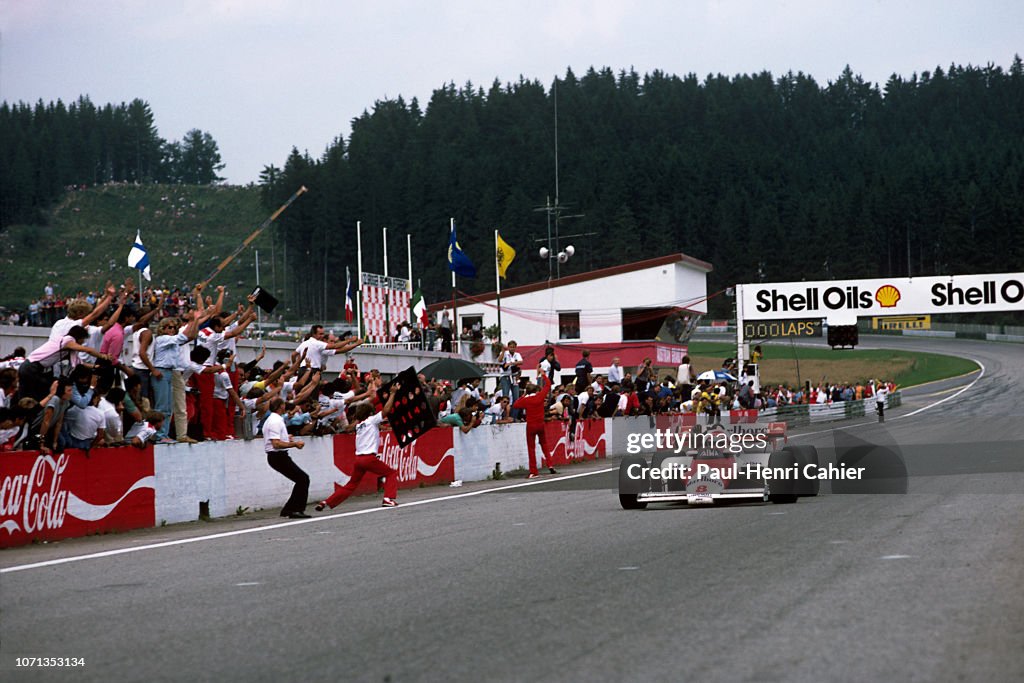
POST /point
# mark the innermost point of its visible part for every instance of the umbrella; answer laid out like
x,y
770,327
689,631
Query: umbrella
x,y
716,376
451,368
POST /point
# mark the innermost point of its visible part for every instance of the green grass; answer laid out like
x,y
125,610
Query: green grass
x,y
187,231
906,368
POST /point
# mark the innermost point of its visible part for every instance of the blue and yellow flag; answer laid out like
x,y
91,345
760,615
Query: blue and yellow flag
x,y
458,262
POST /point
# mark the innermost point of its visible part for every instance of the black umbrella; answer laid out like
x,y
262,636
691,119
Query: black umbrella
x,y
452,369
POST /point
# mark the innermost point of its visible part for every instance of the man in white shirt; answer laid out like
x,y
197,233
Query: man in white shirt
x,y
367,445
317,348
83,427
276,442
615,373
511,369
881,394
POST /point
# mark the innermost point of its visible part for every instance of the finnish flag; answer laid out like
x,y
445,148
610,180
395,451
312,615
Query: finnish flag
x,y
138,257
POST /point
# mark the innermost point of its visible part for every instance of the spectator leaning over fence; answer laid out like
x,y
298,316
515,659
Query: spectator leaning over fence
x,y
317,347
36,374
145,431
84,426
51,419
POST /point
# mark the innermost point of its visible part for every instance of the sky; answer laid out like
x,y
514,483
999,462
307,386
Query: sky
x,y
264,76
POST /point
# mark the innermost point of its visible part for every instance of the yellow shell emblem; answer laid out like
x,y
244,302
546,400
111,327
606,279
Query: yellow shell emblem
x,y
887,296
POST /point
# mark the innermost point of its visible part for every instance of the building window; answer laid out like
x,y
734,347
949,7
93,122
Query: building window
x,y
472,327
657,324
569,325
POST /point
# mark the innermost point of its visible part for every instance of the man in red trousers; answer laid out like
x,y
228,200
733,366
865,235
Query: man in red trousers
x,y
367,430
533,404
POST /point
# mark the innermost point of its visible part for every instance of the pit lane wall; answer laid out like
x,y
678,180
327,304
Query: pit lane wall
x,y
53,497
48,498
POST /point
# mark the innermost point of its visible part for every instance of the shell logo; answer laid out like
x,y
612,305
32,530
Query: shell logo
x,y
887,296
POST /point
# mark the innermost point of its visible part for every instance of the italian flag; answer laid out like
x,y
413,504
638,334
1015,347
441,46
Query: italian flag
x,y
419,309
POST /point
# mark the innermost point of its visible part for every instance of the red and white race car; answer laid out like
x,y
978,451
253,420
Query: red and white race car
x,y
743,462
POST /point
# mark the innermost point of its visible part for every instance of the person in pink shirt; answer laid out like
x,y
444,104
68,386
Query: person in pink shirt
x,y
113,339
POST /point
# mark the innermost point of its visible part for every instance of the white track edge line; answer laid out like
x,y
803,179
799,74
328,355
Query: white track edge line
x,y
281,525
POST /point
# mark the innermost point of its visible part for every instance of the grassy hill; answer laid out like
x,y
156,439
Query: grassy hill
x,y
187,231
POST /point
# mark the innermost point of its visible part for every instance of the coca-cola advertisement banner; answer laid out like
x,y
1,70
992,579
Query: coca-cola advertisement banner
x,y
51,497
568,444
430,459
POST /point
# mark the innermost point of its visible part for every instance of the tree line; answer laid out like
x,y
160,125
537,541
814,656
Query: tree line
x,y
47,148
768,178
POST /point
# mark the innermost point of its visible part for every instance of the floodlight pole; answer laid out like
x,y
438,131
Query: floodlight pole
x,y
739,330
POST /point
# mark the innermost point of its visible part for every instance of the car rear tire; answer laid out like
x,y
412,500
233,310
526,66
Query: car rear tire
x,y
807,455
782,491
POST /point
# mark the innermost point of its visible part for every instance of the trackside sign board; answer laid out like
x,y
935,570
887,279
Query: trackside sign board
x,y
845,299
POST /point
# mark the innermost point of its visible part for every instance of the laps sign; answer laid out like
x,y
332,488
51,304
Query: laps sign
x,y
919,295
50,497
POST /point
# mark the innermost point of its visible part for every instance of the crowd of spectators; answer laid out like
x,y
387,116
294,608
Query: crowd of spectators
x,y
179,380
53,304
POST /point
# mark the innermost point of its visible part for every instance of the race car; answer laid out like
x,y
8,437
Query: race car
x,y
727,464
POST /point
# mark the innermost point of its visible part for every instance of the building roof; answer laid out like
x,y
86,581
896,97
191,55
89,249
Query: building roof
x,y
580,277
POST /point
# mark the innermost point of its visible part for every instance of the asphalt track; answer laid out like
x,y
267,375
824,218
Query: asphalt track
x,y
554,581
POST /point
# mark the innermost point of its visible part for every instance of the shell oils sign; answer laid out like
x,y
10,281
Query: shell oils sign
x,y
910,296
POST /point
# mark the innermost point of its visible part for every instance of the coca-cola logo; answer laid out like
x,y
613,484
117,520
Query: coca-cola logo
x,y
37,499
402,459
576,445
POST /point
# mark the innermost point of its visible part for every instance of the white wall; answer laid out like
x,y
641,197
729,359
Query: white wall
x,y
230,474
532,318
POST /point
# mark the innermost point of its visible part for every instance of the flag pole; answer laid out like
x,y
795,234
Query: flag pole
x,y
359,266
408,250
259,311
408,287
497,282
455,305
387,292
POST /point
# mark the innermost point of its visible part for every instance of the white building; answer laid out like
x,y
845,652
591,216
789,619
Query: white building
x,y
632,311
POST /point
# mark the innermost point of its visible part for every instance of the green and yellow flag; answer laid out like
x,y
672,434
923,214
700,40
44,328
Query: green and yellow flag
x,y
504,255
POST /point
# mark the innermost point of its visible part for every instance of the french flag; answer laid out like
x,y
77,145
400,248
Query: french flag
x,y
349,297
